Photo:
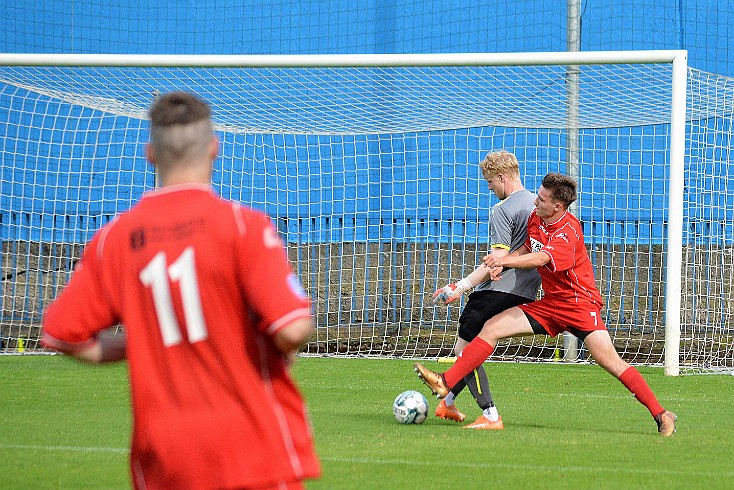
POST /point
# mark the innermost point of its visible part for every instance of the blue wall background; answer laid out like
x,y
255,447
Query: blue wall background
x,y
704,27
39,188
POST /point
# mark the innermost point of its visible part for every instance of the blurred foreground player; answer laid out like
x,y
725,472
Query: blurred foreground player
x,y
190,276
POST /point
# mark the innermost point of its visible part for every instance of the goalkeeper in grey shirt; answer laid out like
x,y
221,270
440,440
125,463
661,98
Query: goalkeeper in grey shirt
x,y
508,231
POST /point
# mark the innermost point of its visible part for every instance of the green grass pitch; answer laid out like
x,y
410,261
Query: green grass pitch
x,y
66,425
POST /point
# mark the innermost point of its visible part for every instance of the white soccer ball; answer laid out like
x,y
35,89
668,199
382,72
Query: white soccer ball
x,y
410,407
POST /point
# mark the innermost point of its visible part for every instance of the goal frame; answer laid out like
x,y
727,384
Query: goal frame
x,y
677,58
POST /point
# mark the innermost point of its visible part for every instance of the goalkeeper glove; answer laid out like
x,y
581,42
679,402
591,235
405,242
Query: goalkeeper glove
x,y
451,292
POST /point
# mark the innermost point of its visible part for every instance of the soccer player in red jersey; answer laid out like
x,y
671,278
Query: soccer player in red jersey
x,y
571,301
191,277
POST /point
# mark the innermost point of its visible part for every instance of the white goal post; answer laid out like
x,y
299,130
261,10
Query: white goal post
x,y
368,165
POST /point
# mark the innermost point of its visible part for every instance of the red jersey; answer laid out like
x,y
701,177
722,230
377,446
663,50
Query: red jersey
x,y
569,276
200,284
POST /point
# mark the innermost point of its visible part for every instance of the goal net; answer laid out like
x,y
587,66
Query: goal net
x,y
369,167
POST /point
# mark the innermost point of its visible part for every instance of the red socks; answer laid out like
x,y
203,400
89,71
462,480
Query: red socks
x,y
473,355
633,380
479,350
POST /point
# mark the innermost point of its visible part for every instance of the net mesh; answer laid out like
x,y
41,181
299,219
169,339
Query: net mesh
x,y
371,176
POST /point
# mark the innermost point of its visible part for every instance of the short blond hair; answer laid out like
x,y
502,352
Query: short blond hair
x,y
500,162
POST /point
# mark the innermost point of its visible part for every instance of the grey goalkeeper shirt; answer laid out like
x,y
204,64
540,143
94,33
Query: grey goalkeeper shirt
x,y
508,226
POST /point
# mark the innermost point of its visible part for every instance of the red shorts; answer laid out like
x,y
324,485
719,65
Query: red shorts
x,y
566,316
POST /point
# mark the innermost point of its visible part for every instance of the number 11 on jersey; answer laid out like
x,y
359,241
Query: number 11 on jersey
x,y
157,275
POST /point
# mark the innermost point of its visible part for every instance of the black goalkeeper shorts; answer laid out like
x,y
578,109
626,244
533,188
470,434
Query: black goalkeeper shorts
x,y
483,305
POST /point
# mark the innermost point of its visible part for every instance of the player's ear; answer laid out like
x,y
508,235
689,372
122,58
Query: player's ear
x,y
213,148
150,153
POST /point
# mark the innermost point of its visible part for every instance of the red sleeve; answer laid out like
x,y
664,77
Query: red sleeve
x,y
83,309
271,288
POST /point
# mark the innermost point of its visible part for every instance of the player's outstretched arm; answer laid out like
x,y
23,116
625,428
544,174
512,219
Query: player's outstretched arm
x,y
452,292
520,259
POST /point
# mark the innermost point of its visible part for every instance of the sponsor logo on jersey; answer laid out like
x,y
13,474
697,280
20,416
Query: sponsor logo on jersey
x,y
137,238
536,245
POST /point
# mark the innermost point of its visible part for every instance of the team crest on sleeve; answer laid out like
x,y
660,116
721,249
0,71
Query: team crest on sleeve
x,y
535,244
295,285
271,238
